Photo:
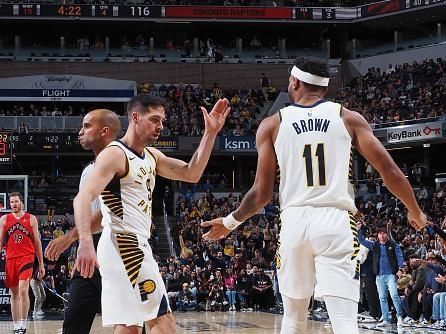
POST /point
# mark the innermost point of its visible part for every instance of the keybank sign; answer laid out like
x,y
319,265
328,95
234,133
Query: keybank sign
x,y
234,143
414,132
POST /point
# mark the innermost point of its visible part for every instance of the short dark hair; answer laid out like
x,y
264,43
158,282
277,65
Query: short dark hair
x,y
16,194
313,65
144,102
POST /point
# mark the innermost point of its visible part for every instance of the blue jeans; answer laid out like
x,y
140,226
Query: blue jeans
x,y
387,283
186,306
241,297
439,308
230,294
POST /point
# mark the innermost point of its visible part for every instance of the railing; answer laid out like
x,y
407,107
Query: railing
x,y
74,123
47,123
168,233
157,54
408,122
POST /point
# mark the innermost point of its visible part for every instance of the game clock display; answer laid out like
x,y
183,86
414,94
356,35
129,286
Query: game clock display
x,y
79,11
43,143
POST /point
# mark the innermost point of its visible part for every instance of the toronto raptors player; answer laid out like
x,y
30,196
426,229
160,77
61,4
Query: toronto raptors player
x,y
19,230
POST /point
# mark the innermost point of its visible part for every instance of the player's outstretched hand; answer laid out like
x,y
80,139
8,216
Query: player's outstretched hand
x,y
57,247
417,221
215,120
86,261
217,231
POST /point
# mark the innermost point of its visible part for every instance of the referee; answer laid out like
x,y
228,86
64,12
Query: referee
x,y
99,128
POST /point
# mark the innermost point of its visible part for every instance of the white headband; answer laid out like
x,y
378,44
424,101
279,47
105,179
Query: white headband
x,y
309,78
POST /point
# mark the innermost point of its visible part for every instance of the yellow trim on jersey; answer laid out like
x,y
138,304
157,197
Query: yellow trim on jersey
x,y
354,230
340,109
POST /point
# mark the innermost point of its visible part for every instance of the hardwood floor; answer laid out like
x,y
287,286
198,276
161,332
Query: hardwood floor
x,y
208,322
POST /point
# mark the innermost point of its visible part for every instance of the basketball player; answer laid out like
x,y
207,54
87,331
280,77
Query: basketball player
x,y
124,177
20,229
311,140
99,128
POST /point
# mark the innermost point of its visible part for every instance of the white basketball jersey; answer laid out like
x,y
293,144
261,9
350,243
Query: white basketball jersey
x,y
313,149
126,202
95,204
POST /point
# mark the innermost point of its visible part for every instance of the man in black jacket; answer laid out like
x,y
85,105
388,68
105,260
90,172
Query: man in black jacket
x,y
368,281
387,259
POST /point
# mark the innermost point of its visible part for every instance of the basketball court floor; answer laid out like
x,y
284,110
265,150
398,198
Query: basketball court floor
x,y
225,322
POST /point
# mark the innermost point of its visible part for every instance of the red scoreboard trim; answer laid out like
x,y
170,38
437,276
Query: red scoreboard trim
x,y
226,12
382,7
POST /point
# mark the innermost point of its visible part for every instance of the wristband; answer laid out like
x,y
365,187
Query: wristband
x,y
231,223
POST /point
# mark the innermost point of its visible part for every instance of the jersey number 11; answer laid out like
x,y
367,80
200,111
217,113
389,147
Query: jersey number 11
x,y
309,164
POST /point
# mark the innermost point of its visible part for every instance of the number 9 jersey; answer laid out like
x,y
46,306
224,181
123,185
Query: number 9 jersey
x,y
126,203
314,152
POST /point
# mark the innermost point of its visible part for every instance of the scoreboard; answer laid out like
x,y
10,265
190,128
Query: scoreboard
x,y
79,11
136,12
37,143
5,148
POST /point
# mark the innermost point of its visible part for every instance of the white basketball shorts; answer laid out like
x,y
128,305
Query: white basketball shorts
x,y
132,288
317,253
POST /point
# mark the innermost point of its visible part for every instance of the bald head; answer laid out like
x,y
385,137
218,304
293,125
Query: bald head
x,y
107,119
99,128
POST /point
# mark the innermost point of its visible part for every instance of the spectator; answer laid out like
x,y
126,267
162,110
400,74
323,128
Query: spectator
x,y
262,293
215,300
439,304
413,305
186,300
387,258
230,285
264,85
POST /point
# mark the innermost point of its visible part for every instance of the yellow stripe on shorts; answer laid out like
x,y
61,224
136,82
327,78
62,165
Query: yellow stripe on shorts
x,y
131,255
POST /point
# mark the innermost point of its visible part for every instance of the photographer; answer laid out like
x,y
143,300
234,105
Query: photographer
x,y
216,299
186,300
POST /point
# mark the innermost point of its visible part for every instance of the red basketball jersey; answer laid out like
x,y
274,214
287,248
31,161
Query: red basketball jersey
x,y
19,236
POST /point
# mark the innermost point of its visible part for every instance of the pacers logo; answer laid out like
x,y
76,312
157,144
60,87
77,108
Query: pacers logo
x,y
149,286
146,288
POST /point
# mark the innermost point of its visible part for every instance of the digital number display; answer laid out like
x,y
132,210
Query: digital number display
x,y
80,11
304,13
105,11
26,10
139,11
45,143
5,148
328,14
70,10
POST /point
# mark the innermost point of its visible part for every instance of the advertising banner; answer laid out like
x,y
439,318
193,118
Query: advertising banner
x,y
228,12
66,87
5,294
166,143
235,143
414,132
